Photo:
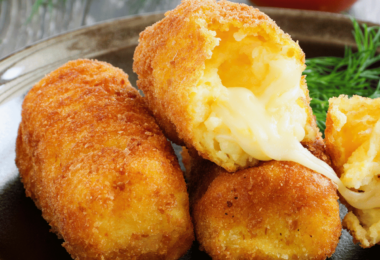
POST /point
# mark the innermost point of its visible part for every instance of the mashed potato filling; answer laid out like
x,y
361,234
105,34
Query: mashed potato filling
x,y
361,172
362,168
251,88
357,128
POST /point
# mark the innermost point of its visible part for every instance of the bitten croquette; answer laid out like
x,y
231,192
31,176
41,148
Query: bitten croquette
x,y
353,142
197,66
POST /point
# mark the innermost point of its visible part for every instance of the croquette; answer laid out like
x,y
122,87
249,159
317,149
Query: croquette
x,y
275,210
226,81
353,142
95,162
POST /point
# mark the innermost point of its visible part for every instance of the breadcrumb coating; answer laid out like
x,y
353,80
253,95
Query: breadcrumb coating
x,y
95,162
276,210
353,142
187,62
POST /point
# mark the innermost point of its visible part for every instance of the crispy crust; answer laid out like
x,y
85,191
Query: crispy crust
x,y
318,148
335,151
95,162
330,136
285,209
347,124
171,55
335,142
273,211
336,134
195,166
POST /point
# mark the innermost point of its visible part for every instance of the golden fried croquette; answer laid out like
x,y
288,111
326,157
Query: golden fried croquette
x,y
94,161
353,141
225,80
276,210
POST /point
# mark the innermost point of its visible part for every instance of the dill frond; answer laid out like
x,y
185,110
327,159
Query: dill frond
x,y
354,74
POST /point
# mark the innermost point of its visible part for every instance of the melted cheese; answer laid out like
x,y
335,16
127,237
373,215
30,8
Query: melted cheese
x,y
253,111
263,132
270,125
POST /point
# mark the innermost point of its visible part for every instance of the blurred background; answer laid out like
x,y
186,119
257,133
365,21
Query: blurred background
x,y
23,22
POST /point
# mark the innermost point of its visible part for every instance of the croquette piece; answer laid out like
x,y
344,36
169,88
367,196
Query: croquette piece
x,y
353,142
223,79
94,161
276,210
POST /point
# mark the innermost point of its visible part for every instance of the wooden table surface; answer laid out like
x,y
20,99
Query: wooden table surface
x,y
18,29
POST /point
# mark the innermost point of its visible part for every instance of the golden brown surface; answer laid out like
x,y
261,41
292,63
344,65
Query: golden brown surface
x,y
277,210
349,124
171,59
353,142
95,162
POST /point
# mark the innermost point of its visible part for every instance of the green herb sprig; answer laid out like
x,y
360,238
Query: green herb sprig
x,y
354,74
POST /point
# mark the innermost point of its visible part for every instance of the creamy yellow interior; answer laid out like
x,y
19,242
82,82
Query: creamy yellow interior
x,y
248,107
358,137
363,166
251,87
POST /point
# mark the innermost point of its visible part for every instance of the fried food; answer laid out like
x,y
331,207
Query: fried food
x,y
225,80
353,142
276,210
94,161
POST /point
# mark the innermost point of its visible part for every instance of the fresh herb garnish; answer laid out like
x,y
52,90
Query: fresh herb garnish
x,y
354,74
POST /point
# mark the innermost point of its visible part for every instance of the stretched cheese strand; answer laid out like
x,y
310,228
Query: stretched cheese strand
x,y
270,126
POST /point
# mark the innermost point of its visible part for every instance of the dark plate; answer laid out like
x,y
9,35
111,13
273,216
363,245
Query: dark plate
x,y
24,234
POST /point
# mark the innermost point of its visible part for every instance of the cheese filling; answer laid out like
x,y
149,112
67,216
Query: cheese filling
x,y
254,108
253,105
